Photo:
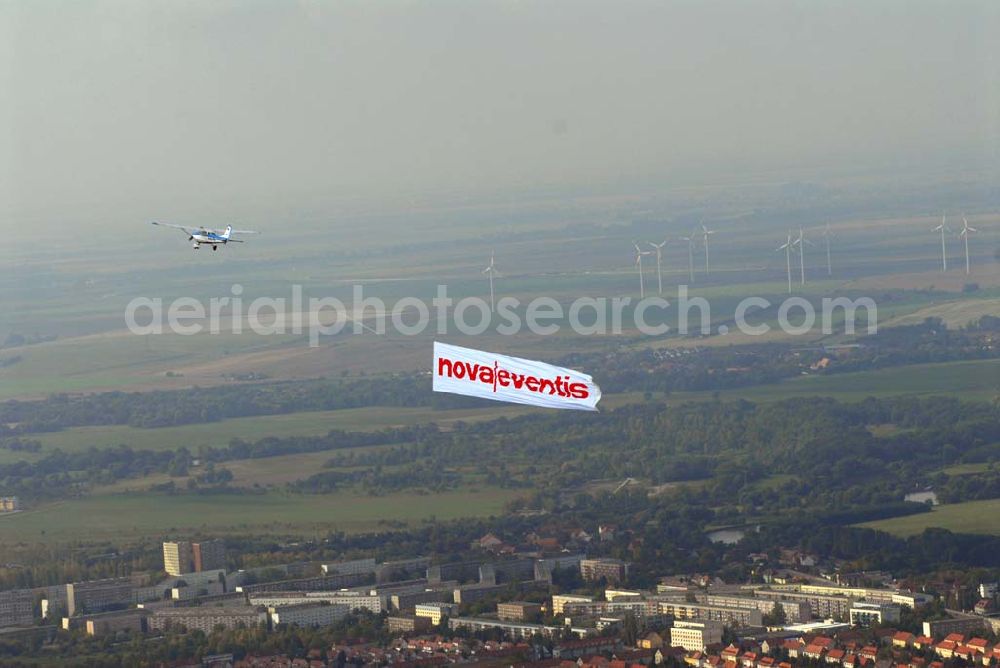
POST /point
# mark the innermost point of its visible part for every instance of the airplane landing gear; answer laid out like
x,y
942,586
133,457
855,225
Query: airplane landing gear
x,y
215,248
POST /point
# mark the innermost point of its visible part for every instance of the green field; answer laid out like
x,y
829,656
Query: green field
x,y
970,517
218,434
309,423
977,380
126,517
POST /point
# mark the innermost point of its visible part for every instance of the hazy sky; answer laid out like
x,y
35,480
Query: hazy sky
x,y
126,111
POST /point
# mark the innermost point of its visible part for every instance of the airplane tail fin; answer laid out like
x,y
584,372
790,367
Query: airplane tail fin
x,y
228,232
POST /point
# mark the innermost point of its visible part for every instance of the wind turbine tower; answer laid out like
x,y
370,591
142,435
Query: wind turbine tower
x,y
690,242
801,243
966,231
491,270
659,259
942,228
638,263
705,232
827,235
787,247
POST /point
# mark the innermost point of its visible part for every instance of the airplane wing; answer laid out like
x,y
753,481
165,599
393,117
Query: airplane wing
x,y
222,231
176,227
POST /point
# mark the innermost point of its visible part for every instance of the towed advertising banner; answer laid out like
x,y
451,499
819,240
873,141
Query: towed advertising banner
x,y
477,373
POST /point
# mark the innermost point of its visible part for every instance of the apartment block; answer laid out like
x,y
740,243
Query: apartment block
x,y
518,611
407,624
308,614
177,557
867,614
354,567
107,623
612,571
98,595
696,636
410,600
17,607
820,605
939,628
398,570
351,600
317,583
560,600
435,611
729,616
205,618
796,612
208,555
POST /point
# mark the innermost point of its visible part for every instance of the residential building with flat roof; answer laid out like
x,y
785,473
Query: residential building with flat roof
x,y
98,595
612,571
560,600
308,614
177,557
17,607
407,624
208,555
868,614
518,611
205,619
796,611
695,636
106,623
735,617
353,567
435,611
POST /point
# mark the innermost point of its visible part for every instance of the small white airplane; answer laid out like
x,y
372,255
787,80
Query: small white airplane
x,y
208,237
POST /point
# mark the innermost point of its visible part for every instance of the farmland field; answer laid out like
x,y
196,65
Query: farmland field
x,y
126,517
977,380
970,517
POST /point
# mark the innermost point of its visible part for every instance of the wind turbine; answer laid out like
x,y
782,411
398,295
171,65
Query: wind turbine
x,y
491,269
966,230
638,263
690,241
705,232
827,235
787,247
659,258
942,228
801,243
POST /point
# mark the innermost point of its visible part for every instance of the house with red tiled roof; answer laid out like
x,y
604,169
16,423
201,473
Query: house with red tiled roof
x,y
748,660
955,637
869,652
902,639
945,649
814,652
923,642
730,653
835,656
793,647
981,645
767,662
694,659
850,660
784,664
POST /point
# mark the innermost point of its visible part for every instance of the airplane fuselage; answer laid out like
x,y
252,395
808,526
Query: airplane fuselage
x,y
208,239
